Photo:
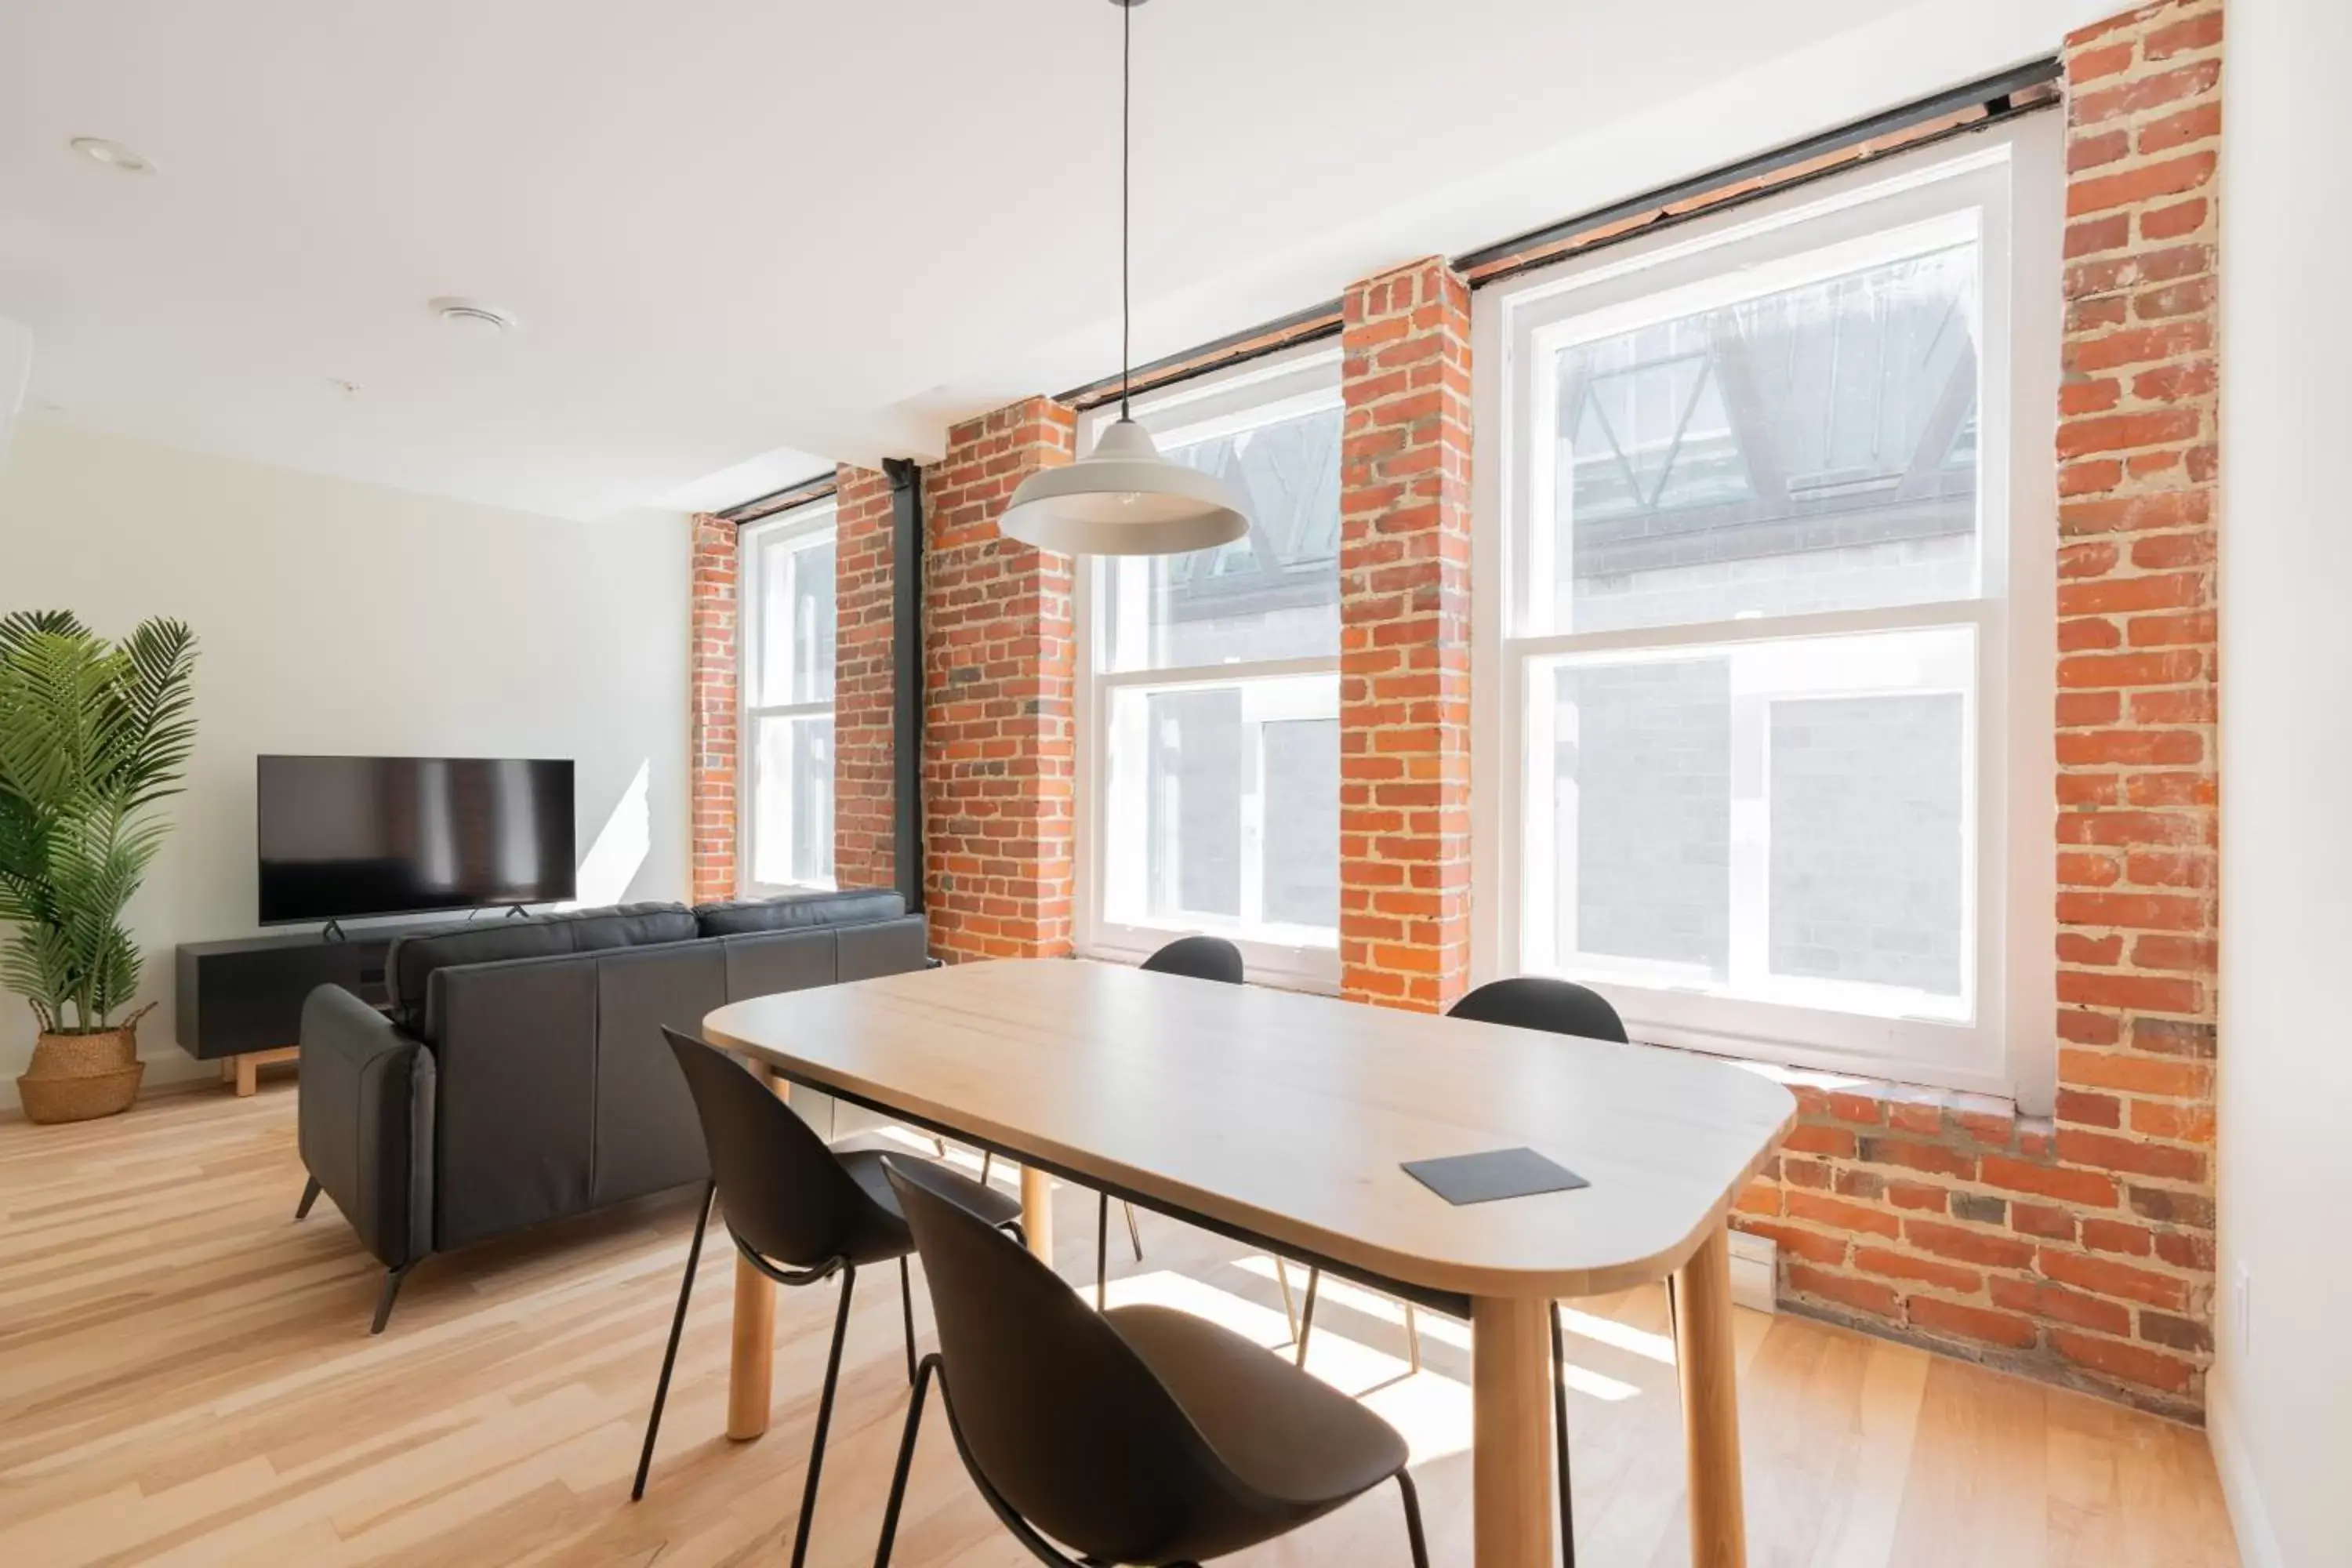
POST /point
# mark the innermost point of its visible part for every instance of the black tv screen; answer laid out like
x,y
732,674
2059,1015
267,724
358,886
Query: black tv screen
x,y
345,836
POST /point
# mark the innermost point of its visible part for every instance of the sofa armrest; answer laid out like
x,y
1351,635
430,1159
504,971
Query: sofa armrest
x,y
365,1123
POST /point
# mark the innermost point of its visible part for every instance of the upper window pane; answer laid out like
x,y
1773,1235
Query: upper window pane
x,y
796,618
1272,594
1810,448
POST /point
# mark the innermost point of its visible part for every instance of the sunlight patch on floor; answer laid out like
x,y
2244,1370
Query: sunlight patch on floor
x,y
1437,1326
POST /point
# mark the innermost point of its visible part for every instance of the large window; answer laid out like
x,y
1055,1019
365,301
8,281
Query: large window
x,y
1763,581
784,577
1211,743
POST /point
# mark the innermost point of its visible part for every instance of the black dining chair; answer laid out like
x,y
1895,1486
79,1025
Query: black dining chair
x,y
1556,1007
798,1211
1141,1435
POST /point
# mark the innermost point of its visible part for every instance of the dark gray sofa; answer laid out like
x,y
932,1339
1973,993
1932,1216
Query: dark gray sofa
x,y
519,1073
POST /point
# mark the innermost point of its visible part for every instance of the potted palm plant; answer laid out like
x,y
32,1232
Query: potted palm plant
x,y
93,734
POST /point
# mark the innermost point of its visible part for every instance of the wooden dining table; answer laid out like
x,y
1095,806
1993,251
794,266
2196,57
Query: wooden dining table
x,y
1284,1120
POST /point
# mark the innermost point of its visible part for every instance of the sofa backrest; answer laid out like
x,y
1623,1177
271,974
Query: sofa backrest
x,y
408,967
800,911
556,1091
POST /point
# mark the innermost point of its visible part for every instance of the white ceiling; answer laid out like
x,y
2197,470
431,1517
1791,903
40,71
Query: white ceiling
x,y
758,236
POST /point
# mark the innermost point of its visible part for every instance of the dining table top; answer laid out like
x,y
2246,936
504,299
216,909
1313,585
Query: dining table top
x,y
1288,1116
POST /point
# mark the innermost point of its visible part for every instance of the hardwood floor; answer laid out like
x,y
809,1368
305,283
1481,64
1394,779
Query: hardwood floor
x,y
186,1377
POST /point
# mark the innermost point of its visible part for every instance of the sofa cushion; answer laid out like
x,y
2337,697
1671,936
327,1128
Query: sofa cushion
x,y
412,959
800,911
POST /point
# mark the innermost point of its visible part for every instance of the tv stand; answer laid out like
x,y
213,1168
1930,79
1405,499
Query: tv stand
x,y
239,1003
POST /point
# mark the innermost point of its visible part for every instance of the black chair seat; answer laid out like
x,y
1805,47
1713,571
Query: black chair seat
x,y
884,1235
1285,1433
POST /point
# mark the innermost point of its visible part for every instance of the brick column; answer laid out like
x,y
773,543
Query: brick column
x,y
712,706
862,682
1405,640
998,687
2137,831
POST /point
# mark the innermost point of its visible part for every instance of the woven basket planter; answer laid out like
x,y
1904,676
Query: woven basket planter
x,y
75,1078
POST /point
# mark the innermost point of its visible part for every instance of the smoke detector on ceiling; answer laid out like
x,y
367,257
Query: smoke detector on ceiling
x,y
114,154
472,315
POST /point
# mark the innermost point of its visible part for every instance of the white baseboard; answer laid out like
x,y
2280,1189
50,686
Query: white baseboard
x,y
2257,1546
1755,1271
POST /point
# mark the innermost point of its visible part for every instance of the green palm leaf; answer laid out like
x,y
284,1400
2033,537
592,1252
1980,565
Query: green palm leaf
x,y
92,735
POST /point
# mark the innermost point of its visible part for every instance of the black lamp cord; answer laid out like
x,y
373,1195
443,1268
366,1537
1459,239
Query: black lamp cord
x,y
1126,113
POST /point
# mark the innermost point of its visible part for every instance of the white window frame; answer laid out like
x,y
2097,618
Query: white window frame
x,y
2007,183
1277,388
801,527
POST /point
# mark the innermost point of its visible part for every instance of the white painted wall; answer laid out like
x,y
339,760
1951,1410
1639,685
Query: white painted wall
x,y
344,617
2280,1401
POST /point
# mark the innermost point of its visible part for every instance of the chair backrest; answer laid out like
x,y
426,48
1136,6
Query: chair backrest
x,y
1201,957
1537,1001
779,1187
1064,1420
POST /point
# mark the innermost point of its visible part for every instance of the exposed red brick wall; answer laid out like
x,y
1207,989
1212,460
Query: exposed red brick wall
x,y
2083,1249
1405,640
999,684
862,686
712,710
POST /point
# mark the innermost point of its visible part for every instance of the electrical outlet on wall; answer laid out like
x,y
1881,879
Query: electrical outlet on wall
x,y
2242,1308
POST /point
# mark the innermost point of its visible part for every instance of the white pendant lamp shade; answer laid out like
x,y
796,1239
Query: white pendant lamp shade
x,y
1125,499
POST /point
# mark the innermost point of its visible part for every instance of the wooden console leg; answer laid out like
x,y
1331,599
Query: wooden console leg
x,y
248,1070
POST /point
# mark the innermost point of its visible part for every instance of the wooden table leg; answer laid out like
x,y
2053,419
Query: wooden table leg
x,y
1510,1457
751,1364
1704,1353
1037,1211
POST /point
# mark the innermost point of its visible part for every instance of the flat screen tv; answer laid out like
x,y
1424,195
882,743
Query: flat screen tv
x,y
346,836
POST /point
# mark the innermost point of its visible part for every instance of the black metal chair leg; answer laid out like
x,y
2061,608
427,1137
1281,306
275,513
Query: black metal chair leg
x,y
1102,1250
1412,1530
905,1463
1674,1329
987,1158
1307,1312
823,1418
310,1196
384,1300
907,1308
676,1328
1560,1440
1134,1236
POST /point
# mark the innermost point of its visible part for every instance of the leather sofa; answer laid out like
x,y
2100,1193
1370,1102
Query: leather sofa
x,y
518,1074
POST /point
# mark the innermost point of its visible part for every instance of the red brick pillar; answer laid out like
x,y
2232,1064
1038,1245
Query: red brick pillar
x,y
999,690
1405,640
863,682
711,750
2137,829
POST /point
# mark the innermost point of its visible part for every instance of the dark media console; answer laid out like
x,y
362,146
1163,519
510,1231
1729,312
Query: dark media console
x,y
239,1003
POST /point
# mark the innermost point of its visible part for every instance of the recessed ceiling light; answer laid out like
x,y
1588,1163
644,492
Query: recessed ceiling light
x,y
114,154
472,315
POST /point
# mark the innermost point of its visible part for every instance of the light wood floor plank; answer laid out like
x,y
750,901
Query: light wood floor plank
x,y
186,1379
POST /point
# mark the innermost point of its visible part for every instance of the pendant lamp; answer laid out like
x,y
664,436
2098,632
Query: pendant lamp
x,y
1123,497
